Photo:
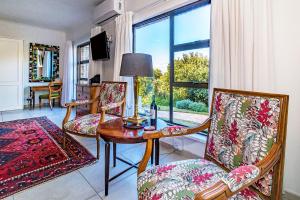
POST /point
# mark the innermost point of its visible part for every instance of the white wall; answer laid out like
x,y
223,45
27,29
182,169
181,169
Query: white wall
x,y
108,65
287,60
32,34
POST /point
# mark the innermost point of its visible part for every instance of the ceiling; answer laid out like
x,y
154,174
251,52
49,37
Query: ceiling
x,y
64,15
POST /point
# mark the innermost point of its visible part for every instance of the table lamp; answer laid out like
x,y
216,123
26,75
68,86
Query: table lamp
x,y
136,65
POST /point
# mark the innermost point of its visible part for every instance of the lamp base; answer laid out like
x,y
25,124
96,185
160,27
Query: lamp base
x,y
135,120
134,126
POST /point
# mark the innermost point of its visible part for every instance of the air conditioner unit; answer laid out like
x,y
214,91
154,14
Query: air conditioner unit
x,y
107,10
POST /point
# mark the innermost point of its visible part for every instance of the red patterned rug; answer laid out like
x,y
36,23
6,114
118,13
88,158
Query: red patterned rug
x,y
31,153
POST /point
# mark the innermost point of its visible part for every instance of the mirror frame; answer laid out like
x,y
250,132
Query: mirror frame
x,y
33,61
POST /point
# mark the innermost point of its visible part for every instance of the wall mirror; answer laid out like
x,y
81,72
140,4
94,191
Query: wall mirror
x,y
43,62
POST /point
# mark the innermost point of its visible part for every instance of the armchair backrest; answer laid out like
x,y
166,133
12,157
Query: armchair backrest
x,y
244,127
112,92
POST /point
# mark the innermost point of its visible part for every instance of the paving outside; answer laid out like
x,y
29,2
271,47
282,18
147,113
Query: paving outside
x,y
181,116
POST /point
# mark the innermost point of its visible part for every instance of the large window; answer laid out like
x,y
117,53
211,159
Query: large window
x,y
83,56
179,44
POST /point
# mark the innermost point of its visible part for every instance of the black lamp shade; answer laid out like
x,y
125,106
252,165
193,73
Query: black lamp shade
x,y
136,64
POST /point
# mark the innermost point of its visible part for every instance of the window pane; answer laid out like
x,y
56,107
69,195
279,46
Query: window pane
x,y
190,106
191,66
84,71
85,53
154,39
192,26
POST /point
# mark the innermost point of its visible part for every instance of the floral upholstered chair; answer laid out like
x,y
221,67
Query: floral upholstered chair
x,y
244,156
110,104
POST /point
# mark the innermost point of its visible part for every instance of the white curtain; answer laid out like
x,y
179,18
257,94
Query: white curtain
x,y
124,45
68,77
241,45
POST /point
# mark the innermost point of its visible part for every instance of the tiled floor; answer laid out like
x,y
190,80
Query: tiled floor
x,y
88,183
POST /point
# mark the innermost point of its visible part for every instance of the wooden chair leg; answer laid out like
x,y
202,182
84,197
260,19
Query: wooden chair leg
x,y
50,104
98,148
40,102
59,103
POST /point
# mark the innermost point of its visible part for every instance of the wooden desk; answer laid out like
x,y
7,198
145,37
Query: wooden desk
x,y
34,89
114,131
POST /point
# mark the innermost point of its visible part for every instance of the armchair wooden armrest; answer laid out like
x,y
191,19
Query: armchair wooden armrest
x,y
173,131
221,190
74,104
80,102
110,106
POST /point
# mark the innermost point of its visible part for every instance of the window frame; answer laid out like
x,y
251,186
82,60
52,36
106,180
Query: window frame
x,y
200,44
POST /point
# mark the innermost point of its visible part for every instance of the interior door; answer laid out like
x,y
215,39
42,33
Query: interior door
x,y
11,82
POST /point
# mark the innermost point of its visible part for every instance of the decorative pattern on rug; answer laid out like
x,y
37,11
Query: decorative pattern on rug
x,y
31,153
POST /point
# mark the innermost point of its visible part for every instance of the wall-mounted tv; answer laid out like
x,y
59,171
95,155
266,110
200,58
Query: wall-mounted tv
x,y
100,46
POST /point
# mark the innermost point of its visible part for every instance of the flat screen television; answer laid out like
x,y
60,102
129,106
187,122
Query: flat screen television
x,y
100,46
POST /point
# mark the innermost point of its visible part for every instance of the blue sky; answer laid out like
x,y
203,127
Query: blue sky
x,y
154,39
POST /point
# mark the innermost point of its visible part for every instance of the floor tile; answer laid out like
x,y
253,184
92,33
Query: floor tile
x,y
16,114
125,189
177,156
96,197
136,154
94,174
68,187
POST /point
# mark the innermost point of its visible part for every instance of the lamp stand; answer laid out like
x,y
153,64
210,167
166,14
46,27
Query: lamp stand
x,y
136,119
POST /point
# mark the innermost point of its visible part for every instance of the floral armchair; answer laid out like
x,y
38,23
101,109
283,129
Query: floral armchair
x,y
244,156
108,105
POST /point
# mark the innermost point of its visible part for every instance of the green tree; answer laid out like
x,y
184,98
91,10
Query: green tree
x,y
192,67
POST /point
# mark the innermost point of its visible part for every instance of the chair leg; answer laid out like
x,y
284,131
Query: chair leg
x,y
60,102
53,102
40,102
98,148
50,104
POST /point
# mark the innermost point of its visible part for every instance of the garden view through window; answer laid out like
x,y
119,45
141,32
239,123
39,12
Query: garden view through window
x,y
179,44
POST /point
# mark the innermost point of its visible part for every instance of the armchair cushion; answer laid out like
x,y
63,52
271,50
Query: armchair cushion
x,y
87,124
243,130
182,180
241,176
178,180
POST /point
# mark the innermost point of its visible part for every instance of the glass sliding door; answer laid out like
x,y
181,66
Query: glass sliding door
x,y
179,44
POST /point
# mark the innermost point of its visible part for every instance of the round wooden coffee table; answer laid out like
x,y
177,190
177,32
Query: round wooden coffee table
x,y
113,131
